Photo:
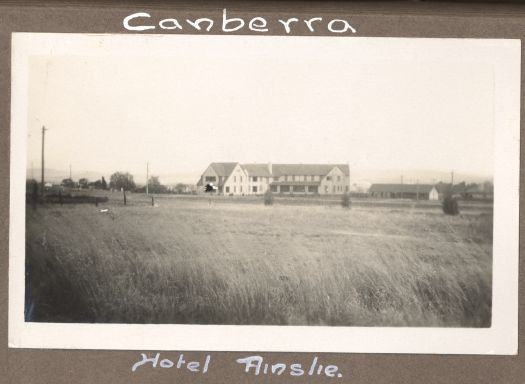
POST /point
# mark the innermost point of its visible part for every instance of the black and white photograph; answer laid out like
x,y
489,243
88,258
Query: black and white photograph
x,y
324,185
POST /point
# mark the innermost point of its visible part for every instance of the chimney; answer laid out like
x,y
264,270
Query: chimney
x,y
270,168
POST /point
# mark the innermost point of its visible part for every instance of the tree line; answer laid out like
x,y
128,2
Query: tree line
x,y
121,181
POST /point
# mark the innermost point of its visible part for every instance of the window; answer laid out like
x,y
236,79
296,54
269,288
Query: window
x,y
338,178
254,178
296,178
346,188
211,179
328,178
234,179
285,188
326,188
275,179
227,189
234,189
254,189
273,188
241,182
312,188
241,188
299,188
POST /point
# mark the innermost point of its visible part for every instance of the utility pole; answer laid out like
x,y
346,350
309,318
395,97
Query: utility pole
x,y
147,178
70,173
43,147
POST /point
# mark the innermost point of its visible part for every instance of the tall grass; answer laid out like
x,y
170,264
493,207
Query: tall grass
x,y
188,262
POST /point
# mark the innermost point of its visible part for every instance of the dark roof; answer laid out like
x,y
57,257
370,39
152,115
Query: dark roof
x,y
445,188
223,169
307,169
261,170
401,188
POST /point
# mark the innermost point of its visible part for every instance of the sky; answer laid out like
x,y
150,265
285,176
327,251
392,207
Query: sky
x,y
181,103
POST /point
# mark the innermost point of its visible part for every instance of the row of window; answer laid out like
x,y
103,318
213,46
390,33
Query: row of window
x,y
227,189
288,188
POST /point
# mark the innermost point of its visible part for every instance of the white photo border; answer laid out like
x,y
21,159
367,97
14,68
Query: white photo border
x,y
501,338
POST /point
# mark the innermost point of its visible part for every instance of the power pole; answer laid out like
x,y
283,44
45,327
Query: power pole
x,y
147,178
43,156
70,173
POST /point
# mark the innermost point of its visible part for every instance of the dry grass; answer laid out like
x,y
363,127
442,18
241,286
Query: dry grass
x,y
188,262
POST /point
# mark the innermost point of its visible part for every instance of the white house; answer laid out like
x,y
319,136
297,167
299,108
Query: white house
x,y
255,179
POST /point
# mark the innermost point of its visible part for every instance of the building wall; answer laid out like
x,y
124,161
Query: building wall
x,y
433,195
262,184
209,172
334,183
237,183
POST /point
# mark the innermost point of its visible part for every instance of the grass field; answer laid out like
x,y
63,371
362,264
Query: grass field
x,y
235,262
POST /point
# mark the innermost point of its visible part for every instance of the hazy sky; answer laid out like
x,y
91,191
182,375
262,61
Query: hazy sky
x,y
387,105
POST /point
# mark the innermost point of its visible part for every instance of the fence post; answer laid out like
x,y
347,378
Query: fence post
x,y
124,192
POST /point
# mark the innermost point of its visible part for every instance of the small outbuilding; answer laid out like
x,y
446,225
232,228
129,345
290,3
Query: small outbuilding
x,y
404,191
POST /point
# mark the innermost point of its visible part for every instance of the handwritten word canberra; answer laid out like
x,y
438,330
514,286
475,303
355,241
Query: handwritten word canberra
x,y
141,21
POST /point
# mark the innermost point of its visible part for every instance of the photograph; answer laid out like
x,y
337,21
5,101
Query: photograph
x,y
299,183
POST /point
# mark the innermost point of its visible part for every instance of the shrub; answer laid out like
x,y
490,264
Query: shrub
x,y
268,197
450,206
345,200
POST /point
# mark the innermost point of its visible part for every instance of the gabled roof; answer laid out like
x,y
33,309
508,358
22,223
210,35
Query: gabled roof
x,y
223,169
401,188
307,169
260,170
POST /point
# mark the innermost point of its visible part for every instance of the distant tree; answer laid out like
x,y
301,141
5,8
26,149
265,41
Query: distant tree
x,y
68,183
122,180
180,188
450,205
103,183
345,200
98,184
155,186
83,182
268,197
